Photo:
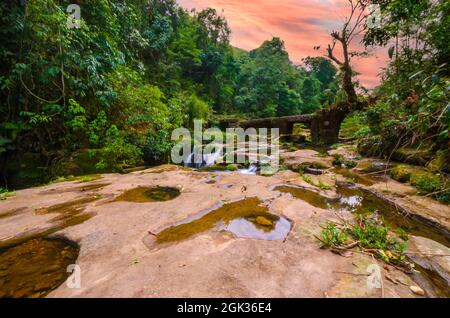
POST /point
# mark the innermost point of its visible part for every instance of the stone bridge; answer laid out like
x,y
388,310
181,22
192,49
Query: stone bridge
x,y
324,124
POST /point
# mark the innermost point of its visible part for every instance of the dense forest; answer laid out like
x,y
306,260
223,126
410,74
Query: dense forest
x,y
113,90
106,96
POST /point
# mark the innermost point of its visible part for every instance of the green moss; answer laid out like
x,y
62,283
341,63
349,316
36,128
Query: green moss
x,y
307,179
323,186
413,156
232,167
312,165
81,179
370,146
426,182
401,173
213,168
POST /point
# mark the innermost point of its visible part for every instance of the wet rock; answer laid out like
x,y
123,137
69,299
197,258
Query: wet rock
x,y
316,172
305,158
376,166
428,254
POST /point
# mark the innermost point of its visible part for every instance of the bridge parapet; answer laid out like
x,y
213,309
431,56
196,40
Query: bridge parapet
x,y
324,124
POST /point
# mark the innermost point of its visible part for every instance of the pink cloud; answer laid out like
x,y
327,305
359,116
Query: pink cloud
x,y
302,24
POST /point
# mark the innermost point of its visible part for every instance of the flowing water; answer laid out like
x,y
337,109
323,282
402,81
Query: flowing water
x,y
251,170
199,159
357,201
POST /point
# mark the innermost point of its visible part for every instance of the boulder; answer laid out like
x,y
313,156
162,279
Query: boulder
x,y
261,220
425,253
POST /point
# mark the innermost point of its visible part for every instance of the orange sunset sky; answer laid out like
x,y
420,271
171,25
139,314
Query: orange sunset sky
x,y
302,24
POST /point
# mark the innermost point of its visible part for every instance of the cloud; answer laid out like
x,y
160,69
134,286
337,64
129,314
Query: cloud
x,y
302,24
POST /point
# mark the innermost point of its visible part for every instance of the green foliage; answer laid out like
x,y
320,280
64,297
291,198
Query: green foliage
x,y
270,85
5,194
411,105
370,234
197,109
331,236
375,236
341,161
157,148
426,182
307,179
323,186
118,154
354,126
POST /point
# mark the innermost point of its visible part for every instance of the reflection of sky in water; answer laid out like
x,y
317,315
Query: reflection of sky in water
x,y
246,229
352,202
346,204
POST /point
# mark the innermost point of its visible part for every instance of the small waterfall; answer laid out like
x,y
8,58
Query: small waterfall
x,y
197,160
210,159
251,170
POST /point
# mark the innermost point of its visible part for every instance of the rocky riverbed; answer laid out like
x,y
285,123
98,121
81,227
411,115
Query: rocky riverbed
x,y
169,231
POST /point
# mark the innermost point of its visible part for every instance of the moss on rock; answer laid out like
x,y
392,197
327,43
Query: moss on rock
x,y
426,182
413,156
401,173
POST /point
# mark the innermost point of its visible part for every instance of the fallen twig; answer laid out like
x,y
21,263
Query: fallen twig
x,y
427,254
349,273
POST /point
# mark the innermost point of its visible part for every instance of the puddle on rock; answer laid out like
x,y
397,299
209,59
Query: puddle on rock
x,y
35,268
367,179
145,194
69,214
435,285
165,168
245,219
358,201
83,188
